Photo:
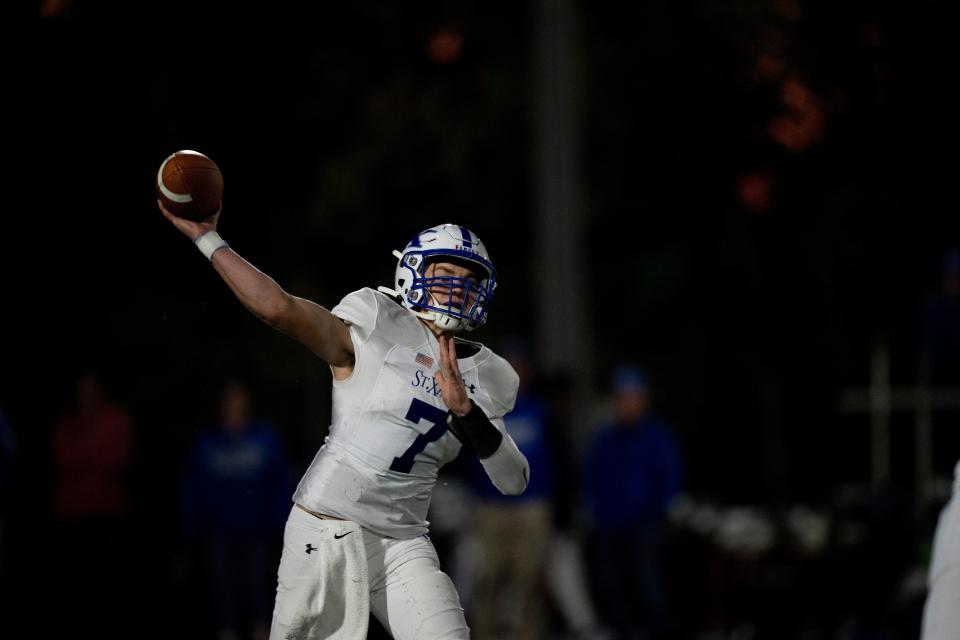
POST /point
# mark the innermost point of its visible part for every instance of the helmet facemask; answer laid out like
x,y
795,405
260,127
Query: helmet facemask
x,y
467,299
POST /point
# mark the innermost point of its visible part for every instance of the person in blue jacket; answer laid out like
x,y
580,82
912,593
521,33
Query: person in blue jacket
x,y
514,532
236,498
633,471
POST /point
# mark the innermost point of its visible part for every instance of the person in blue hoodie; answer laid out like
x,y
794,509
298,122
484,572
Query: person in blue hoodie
x,y
633,471
514,532
236,498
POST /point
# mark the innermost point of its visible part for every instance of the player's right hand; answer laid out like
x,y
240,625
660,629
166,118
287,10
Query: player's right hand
x,y
452,389
189,228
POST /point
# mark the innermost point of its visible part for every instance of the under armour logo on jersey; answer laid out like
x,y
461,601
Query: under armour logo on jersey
x,y
310,548
472,388
424,359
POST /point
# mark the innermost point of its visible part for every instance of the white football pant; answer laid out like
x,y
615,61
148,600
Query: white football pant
x,y
333,573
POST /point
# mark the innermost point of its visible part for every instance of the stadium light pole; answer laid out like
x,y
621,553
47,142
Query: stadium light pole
x,y
564,331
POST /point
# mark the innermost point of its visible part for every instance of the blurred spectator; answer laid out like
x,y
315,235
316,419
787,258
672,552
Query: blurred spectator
x,y
237,492
873,549
92,447
566,572
942,325
93,444
514,531
633,472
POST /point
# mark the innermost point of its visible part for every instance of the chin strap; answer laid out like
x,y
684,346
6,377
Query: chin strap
x,y
448,324
444,322
390,292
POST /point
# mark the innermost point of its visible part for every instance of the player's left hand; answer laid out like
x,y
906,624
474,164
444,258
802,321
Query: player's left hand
x,y
452,390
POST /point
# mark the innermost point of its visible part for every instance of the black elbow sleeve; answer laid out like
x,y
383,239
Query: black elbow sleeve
x,y
476,431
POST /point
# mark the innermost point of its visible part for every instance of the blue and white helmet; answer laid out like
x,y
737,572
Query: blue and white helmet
x,y
449,243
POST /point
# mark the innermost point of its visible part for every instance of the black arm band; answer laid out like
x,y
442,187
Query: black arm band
x,y
476,431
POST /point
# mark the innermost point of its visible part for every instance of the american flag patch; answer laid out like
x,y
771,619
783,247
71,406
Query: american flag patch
x,y
424,359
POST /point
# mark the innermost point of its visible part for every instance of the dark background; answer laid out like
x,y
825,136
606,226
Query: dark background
x,y
340,134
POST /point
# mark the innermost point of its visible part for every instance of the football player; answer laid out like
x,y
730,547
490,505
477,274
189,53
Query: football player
x,y
407,394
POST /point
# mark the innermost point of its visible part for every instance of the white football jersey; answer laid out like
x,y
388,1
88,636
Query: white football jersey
x,y
388,437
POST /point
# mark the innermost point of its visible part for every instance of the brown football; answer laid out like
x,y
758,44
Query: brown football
x,y
190,185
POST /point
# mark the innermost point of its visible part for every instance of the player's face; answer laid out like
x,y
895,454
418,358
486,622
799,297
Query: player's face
x,y
452,296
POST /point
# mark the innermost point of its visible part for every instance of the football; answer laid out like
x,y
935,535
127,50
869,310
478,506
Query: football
x,y
190,185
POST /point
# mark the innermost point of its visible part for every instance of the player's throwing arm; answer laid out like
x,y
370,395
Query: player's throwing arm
x,y
303,320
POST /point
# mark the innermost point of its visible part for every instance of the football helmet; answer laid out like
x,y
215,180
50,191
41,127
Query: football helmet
x,y
445,243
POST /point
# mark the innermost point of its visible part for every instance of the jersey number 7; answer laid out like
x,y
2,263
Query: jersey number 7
x,y
420,410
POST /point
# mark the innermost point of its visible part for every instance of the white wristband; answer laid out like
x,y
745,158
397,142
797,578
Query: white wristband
x,y
209,242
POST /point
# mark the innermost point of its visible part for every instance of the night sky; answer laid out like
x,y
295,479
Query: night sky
x,y
769,189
